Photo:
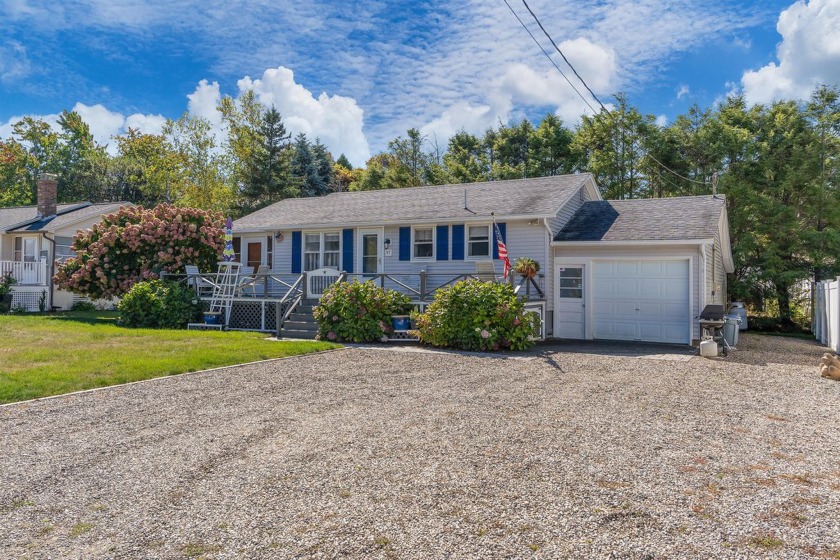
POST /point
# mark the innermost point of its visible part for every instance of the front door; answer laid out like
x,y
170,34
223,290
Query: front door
x,y
253,252
570,309
371,253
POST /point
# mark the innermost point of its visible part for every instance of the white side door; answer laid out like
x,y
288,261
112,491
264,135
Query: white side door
x,y
569,308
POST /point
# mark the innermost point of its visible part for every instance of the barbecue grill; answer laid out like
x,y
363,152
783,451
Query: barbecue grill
x,y
712,320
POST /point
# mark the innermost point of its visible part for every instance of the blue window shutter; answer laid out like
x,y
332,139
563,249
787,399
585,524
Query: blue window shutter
x,y
503,231
347,250
405,243
297,251
442,243
458,242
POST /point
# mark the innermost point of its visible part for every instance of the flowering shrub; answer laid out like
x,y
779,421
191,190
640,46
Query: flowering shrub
x,y
473,315
159,304
137,244
358,311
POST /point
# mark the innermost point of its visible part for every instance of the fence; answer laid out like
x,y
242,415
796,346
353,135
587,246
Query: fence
x,y
825,313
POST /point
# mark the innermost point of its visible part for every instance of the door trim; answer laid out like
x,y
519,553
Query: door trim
x,y
583,264
380,248
243,248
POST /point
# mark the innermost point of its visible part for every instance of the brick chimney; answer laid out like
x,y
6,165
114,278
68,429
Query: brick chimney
x,y
47,194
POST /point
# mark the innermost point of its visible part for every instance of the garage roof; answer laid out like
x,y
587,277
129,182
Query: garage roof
x,y
647,219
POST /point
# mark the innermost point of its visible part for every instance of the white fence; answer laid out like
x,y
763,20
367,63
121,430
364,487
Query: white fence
x,y
825,319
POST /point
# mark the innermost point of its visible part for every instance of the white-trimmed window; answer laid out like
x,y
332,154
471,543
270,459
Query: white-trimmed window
x,y
26,249
478,242
321,250
64,248
423,243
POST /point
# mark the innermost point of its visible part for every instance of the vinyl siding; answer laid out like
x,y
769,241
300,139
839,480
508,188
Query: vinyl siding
x,y
567,211
715,274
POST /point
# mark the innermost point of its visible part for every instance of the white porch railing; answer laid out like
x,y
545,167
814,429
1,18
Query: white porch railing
x,y
26,273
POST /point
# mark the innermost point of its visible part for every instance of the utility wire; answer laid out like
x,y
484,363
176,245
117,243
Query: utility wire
x,y
563,55
548,56
603,108
674,172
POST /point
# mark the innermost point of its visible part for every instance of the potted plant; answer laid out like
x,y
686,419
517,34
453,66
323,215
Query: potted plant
x,y
6,283
525,267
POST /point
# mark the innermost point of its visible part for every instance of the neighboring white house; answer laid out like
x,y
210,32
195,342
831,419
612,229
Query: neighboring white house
x,y
619,270
32,238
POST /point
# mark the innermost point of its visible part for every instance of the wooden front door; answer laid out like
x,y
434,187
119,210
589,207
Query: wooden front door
x,y
254,254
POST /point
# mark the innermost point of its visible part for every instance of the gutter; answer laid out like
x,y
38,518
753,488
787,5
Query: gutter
x,y
633,242
50,268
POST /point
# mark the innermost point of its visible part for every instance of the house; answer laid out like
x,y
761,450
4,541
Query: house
x,y
616,270
32,238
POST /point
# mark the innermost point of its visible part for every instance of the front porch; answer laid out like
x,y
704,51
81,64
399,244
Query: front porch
x,y
26,273
265,301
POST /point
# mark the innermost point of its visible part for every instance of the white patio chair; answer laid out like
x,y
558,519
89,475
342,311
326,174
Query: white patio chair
x,y
202,286
486,271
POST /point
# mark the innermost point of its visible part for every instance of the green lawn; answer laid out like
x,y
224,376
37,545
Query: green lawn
x,y
43,355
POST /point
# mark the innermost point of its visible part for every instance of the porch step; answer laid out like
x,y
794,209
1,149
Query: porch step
x,y
301,323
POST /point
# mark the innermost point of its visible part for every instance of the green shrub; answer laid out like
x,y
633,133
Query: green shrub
x,y
473,315
83,305
358,311
159,304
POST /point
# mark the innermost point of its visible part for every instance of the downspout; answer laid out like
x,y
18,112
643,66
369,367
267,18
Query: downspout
x,y
50,282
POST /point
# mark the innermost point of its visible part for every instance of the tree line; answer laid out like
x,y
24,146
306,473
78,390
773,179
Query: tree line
x,y
777,164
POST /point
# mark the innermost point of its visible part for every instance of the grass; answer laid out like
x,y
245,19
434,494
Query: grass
x,y
52,354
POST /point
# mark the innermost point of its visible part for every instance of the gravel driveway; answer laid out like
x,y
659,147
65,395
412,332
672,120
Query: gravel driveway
x,y
583,451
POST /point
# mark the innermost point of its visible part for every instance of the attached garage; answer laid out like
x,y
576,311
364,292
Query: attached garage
x,y
640,270
645,300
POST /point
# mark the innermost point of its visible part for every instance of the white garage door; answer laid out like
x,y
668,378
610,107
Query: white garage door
x,y
641,300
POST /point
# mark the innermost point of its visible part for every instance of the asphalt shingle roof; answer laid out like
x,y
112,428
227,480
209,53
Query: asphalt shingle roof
x,y
521,197
649,219
12,216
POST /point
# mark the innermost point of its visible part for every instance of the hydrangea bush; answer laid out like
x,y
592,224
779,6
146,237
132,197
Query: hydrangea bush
x,y
159,304
358,312
474,315
137,244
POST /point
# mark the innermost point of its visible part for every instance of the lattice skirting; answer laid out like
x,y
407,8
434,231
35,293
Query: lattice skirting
x,y
29,298
253,315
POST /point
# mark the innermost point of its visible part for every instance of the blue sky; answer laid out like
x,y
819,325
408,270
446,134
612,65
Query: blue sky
x,y
357,74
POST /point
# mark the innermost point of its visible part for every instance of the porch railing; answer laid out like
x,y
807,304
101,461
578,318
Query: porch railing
x,y
26,273
264,301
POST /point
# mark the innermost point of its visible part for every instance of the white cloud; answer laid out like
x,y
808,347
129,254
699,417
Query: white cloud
x,y
335,119
103,123
683,91
662,121
203,102
475,119
148,124
14,64
809,54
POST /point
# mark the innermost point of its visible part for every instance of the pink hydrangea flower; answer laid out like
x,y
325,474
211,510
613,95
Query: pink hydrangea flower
x,y
485,334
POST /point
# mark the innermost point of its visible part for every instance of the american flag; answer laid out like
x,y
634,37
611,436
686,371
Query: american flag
x,y
503,254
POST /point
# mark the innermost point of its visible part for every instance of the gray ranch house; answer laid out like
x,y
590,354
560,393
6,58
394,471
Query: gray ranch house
x,y
611,269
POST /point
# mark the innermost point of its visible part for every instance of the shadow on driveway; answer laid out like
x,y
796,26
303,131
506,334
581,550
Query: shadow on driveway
x,y
647,350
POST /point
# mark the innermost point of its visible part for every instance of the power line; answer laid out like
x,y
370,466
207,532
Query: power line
x,y
548,56
563,55
603,108
674,172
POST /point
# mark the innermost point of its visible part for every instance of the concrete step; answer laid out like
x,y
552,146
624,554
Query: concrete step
x,y
300,326
306,335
